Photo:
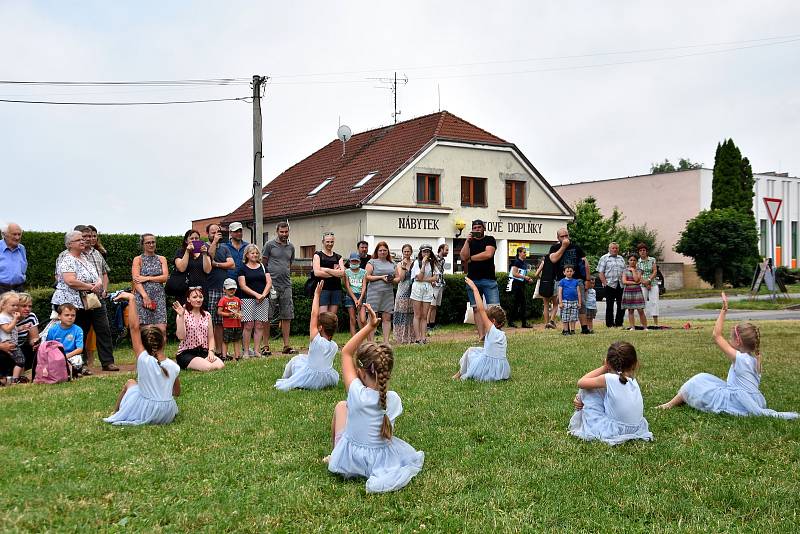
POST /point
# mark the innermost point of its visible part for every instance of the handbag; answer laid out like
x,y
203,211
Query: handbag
x,y
177,284
90,300
311,285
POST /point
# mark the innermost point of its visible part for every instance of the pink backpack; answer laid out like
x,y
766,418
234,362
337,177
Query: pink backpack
x,y
52,366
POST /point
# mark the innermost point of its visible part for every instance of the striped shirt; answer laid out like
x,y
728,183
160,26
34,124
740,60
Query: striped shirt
x,y
611,267
32,320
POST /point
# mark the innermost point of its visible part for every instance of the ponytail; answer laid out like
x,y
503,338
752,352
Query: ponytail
x,y
153,341
621,357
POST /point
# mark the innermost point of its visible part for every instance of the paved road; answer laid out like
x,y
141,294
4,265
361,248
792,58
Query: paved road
x,y
685,309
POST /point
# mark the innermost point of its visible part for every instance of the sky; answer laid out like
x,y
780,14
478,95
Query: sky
x,y
587,91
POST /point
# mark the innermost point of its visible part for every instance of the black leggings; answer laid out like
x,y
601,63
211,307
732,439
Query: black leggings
x,y
519,309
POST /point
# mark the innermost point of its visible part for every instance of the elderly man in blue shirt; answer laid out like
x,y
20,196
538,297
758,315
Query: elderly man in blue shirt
x,y
13,260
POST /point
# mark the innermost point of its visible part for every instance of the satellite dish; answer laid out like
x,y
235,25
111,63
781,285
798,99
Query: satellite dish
x,y
344,133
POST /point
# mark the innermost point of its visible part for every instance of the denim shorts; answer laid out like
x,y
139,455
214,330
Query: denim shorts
x,y
330,297
348,302
487,288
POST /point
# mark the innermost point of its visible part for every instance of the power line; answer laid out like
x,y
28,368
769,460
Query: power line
x,y
160,83
545,58
549,69
162,103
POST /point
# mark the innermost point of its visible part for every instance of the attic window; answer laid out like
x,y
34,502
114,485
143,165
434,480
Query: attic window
x,y
264,197
365,179
320,187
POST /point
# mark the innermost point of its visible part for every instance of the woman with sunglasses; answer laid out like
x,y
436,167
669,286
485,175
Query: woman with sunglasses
x,y
148,274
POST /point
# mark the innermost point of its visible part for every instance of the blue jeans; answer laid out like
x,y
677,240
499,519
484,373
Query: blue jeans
x,y
487,288
330,297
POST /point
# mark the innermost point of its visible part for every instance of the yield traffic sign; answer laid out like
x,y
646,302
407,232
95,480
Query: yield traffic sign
x,y
773,207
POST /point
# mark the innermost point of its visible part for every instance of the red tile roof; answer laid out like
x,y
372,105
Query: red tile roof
x,y
384,150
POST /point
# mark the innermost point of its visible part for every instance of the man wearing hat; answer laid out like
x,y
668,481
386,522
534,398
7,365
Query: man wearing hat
x,y
477,255
236,245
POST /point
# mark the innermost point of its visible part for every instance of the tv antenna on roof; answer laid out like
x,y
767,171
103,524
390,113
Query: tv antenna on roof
x,y
344,133
393,87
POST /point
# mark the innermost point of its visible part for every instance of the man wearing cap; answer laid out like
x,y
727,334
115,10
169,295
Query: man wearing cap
x,y
279,255
477,255
221,263
13,259
236,245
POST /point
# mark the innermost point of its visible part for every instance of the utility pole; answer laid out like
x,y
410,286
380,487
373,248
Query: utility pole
x,y
258,200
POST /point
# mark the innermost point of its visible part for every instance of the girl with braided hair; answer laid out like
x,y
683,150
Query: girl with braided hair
x,y
609,405
151,399
315,369
739,395
363,427
488,363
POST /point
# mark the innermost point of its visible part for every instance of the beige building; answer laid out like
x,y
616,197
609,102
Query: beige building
x,y
666,201
419,181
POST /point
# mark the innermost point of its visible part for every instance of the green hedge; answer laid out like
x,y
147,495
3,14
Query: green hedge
x,y
44,247
454,303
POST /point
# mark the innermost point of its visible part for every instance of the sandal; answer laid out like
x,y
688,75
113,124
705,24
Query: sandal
x,y
265,351
288,350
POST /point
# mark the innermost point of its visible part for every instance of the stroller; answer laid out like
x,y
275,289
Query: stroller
x,y
116,317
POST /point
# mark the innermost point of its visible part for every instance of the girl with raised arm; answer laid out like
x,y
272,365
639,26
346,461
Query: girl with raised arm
x,y
150,400
488,363
739,394
363,427
315,369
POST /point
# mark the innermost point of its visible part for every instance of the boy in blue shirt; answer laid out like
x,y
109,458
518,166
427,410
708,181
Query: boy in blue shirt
x,y
570,300
70,336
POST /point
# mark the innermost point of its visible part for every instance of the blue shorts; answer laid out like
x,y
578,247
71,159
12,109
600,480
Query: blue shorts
x,y
330,297
487,288
348,302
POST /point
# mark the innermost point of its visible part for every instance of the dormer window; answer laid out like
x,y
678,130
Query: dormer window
x,y
265,195
364,180
320,187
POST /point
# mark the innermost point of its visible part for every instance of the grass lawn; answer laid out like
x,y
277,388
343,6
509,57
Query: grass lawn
x,y
243,457
710,292
761,304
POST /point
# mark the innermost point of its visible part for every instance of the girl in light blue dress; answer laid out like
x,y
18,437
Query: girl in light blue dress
x,y
609,405
362,429
151,399
488,363
739,395
315,369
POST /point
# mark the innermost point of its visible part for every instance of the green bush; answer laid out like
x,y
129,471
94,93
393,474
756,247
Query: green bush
x,y
43,249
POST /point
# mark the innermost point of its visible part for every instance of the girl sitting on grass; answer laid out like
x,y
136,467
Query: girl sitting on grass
x,y
151,400
609,405
488,363
315,369
363,427
739,395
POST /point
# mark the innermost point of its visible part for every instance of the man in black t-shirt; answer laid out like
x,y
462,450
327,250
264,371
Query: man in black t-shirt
x,y
477,255
567,253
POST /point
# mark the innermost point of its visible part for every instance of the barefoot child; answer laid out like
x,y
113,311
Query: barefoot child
x,y
9,317
609,405
314,370
229,308
570,300
487,363
70,335
151,400
739,395
363,427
